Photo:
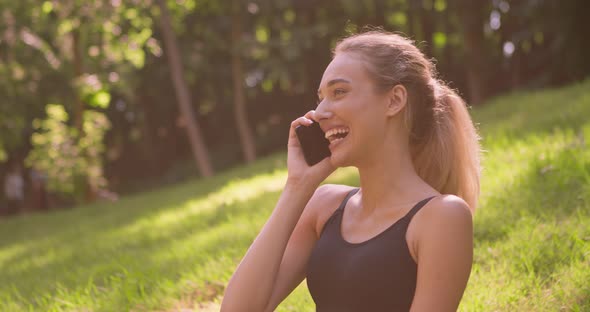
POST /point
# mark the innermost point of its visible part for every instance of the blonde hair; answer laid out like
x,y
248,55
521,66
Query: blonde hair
x,y
443,140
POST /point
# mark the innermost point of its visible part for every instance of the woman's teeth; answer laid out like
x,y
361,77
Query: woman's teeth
x,y
335,134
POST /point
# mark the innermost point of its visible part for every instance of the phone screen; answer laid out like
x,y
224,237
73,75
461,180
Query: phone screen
x,y
313,142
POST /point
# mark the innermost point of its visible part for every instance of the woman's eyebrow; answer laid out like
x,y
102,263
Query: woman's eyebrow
x,y
332,82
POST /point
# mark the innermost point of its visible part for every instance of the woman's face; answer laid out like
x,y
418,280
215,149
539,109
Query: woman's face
x,y
348,101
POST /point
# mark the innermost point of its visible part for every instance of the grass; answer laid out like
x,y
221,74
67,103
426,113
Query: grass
x,y
176,248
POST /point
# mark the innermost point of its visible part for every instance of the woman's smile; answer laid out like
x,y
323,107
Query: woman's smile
x,y
336,141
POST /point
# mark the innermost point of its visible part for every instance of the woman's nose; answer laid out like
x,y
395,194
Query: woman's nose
x,y
321,113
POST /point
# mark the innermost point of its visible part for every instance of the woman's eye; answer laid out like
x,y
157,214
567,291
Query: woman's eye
x,y
339,91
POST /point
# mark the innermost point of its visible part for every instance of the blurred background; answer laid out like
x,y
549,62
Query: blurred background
x,y
102,98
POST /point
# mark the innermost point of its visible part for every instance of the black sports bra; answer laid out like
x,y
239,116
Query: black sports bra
x,y
375,275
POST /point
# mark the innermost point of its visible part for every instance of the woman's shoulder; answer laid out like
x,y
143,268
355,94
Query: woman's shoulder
x,y
330,190
446,206
329,193
433,221
443,208
325,201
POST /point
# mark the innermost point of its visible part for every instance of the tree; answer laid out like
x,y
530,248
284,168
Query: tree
x,y
246,138
183,96
471,14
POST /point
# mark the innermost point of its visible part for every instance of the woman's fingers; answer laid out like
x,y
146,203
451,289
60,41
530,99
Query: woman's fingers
x,y
310,115
305,120
299,121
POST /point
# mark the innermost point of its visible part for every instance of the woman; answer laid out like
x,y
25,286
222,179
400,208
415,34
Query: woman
x,y
403,241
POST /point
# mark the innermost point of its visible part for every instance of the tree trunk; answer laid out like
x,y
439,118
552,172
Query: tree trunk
x,y
244,131
447,56
380,10
78,110
314,63
516,69
427,25
152,154
90,190
413,9
471,14
198,146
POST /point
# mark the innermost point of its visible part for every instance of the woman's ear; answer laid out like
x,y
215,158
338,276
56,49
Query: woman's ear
x,y
398,97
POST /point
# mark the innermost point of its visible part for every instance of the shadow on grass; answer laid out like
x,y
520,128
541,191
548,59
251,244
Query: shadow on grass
x,y
554,186
132,253
547,198
95,249
537,112
64,224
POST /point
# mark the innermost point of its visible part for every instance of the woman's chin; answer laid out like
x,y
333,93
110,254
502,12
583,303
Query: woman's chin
x,y
338,161
340,153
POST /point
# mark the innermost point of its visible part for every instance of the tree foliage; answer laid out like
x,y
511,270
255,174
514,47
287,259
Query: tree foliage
x,y
70,159
107,56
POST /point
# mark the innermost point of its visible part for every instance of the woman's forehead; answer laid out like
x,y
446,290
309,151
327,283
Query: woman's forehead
x,y
344,66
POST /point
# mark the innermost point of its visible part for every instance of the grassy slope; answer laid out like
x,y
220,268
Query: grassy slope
x,y
177,247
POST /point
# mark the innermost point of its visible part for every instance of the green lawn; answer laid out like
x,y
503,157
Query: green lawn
x,y
177,247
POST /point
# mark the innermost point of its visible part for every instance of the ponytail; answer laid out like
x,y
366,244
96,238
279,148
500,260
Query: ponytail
x,y
448,158
443,141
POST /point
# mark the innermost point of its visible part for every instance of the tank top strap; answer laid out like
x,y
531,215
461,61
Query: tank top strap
x,y
346,198
336,217
408,217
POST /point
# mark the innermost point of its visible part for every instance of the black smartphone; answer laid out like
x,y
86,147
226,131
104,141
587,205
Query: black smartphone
x,y
313,142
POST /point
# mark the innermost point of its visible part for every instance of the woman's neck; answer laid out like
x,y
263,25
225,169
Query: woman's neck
x,y
388,179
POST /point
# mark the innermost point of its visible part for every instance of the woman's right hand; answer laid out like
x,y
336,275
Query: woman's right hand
x,y
298,170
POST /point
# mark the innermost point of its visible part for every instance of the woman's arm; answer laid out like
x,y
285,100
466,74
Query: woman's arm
x,y
445,253
275,262
251,286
